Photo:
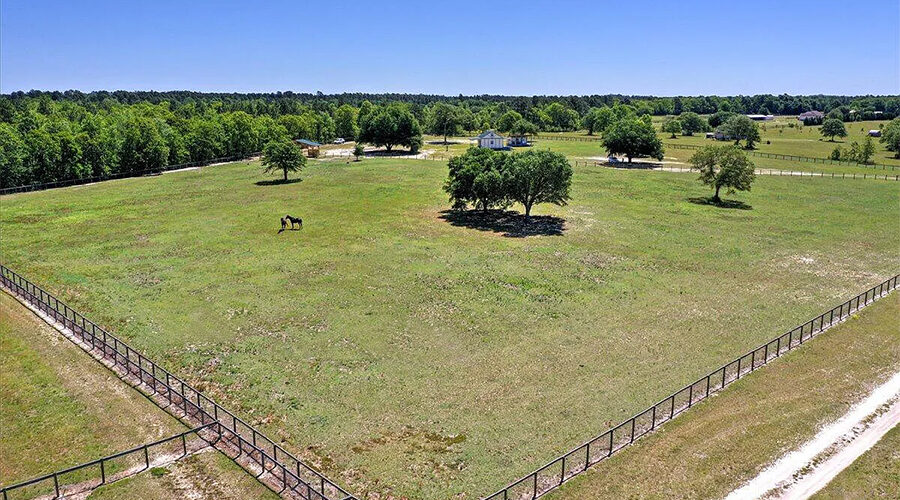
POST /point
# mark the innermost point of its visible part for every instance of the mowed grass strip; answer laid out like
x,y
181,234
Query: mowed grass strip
x,y
875,474
59,407
410,355
729,439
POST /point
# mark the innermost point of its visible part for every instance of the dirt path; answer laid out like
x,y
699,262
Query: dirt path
x,y
804,471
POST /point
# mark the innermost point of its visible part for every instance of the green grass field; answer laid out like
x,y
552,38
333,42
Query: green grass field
x,y
727,440
411,352
59,408
778,137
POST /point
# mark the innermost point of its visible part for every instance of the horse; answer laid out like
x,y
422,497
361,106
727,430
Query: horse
x,y
293,220
283,225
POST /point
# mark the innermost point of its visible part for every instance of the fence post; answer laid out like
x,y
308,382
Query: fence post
x,y
102,472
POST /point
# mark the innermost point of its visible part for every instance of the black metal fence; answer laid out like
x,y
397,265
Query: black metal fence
x,y
760,154
90,475
758,171
802,159
120,175
266,457
601,447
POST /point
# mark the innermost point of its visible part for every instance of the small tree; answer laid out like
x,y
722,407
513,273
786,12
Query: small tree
x,y
524,127
691,123
741,128
836,114
444,119
719,118
837,153
358,151
535,177
632,137
833,127
867,150
890,137
476,178
597,119
507,120
283,155
389,126
671,126
723,167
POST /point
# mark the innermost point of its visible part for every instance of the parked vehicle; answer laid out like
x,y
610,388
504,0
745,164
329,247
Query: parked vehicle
x,y
339,140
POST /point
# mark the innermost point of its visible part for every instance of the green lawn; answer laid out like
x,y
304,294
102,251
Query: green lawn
x,y
410,355
59,407
725,441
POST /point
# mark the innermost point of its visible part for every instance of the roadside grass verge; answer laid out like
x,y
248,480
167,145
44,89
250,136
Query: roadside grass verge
x,y
876,474
408,355
730,438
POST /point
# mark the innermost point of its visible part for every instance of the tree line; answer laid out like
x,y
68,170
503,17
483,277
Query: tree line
x,y
277,103
53,136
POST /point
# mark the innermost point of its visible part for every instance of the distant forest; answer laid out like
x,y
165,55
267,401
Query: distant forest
x,y
53,136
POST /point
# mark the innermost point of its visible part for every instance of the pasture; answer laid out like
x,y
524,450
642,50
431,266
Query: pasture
x,y
411,351
60,408
732,437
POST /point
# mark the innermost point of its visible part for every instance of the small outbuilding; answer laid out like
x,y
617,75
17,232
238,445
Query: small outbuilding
x,y
761,118
518,140
492,140
874,133
311,147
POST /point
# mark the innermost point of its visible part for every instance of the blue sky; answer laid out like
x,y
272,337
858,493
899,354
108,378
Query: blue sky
x,y
523,47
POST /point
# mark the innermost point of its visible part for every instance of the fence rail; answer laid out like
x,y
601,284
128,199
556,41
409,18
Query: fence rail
x,y
90,475
120,175
760,154
296,478
805,159
758,171
579,459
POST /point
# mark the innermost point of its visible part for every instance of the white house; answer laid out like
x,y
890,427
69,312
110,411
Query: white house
x,y
491,139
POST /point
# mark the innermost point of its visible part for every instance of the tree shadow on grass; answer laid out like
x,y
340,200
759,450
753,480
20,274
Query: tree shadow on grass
x,y
510,224
276,182
732,204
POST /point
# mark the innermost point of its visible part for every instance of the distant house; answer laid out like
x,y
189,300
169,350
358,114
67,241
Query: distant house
x,y
517,140
311,147
811,116
491,139
760,118
874,133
